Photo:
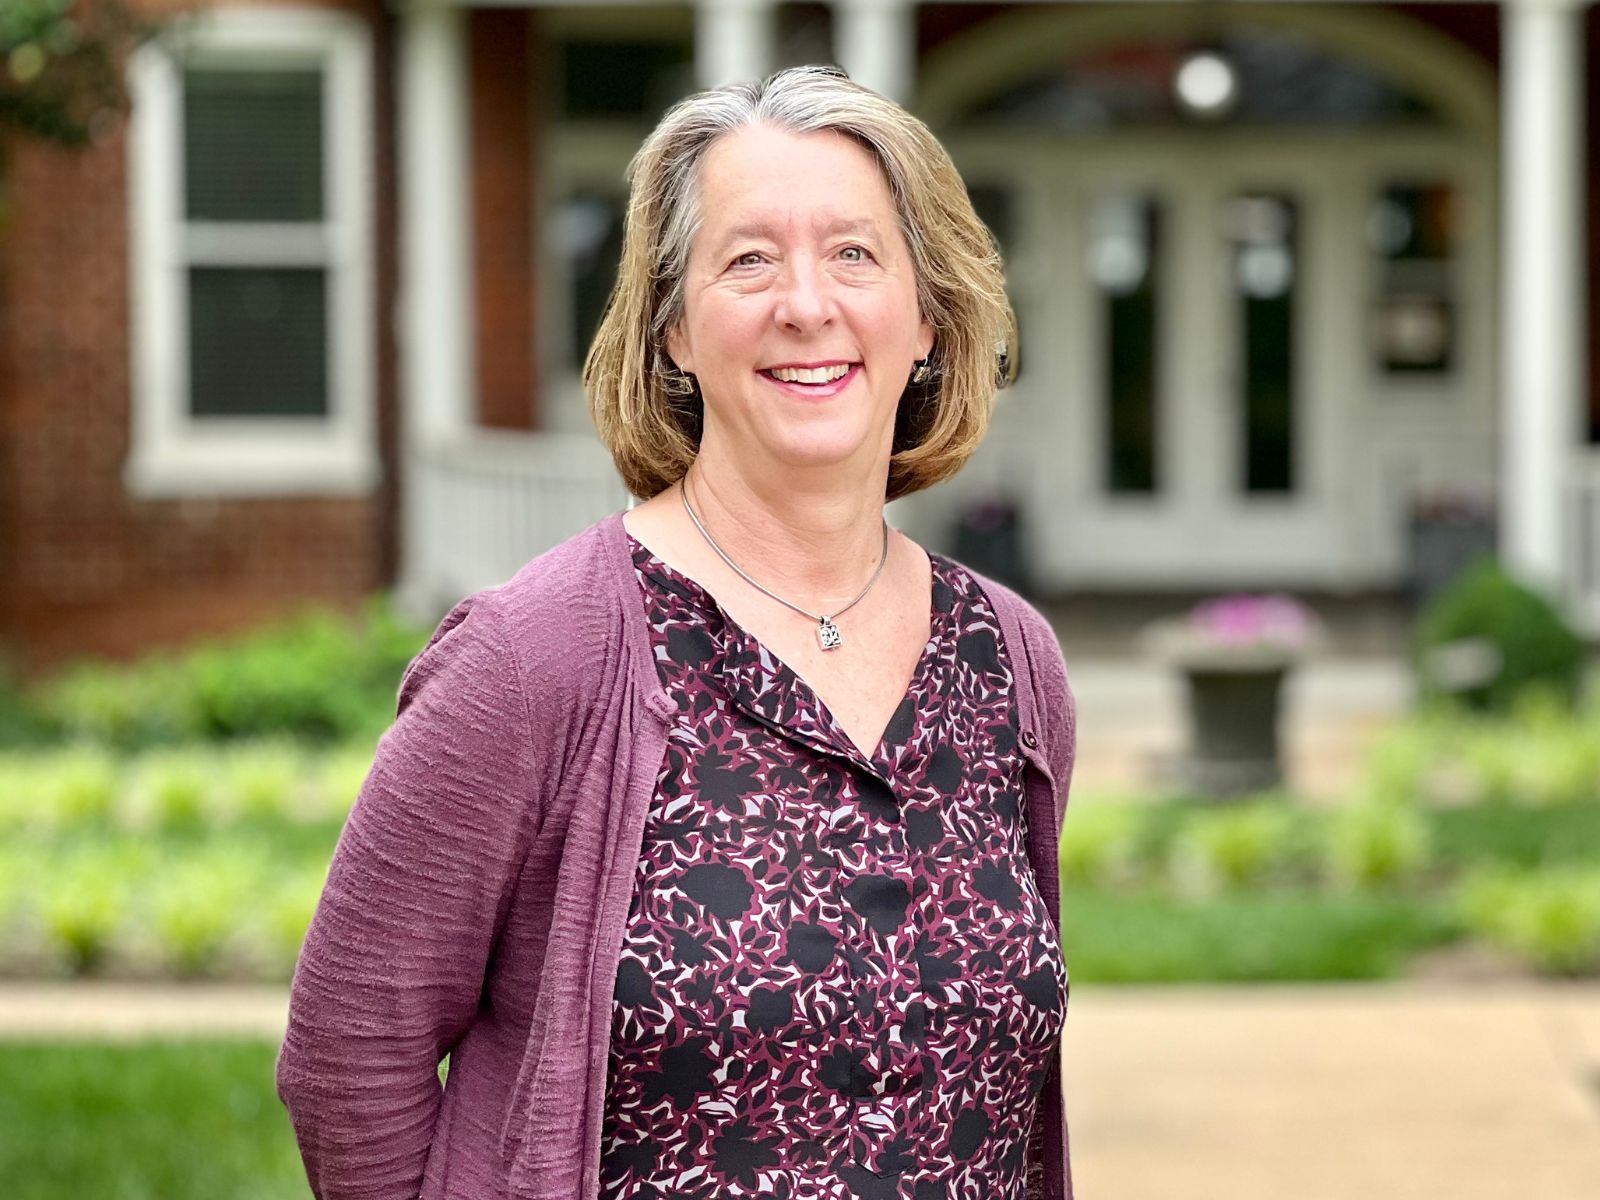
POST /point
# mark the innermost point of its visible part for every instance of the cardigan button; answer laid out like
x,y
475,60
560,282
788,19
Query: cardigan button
x,y
1029,739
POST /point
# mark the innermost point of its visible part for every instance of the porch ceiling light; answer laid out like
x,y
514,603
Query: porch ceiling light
x,y
1206,84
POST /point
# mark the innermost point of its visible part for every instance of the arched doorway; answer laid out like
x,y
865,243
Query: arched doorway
x,y
1248,331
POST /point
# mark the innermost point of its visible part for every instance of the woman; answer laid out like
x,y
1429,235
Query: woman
x,y
717,847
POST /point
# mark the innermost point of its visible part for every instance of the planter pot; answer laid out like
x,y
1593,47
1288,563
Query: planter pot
x,y
1233,653
1233,729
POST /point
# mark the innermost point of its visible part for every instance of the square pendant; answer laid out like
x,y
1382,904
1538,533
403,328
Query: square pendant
x,y
828,634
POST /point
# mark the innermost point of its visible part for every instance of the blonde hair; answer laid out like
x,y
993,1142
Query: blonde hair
x,y
649,414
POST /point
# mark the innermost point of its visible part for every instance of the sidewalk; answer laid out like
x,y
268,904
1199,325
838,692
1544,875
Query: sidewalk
x,y
1335,1092
1389,1091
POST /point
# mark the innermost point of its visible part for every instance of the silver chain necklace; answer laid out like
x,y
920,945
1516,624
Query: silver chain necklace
x,y
827,632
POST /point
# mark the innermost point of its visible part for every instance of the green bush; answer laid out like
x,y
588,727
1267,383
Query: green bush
x,y
1376,842
261,780
1100,843
1528,643
171,791
281,922
196,907
85,899
1550,916
317,676
1240,846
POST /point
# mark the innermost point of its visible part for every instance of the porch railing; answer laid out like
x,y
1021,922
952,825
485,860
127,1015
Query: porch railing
x,y
489,501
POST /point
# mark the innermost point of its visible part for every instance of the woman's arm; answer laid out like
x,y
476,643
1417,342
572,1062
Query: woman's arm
x,y
392,968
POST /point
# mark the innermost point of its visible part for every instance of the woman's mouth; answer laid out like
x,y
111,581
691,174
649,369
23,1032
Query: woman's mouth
x,y
812,383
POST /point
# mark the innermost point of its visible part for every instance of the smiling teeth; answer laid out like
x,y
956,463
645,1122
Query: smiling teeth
x,y
810,374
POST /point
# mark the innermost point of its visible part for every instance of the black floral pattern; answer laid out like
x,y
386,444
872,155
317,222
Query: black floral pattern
x,y
838,979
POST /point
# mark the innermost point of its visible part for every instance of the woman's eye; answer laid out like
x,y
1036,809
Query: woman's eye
x,y
859,251
753,255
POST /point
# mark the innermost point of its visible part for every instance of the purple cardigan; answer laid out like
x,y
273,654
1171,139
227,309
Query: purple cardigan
x,y
477,899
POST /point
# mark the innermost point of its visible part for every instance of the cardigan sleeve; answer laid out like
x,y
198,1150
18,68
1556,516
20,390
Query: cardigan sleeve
x,y
1058,713
1058,706
392,968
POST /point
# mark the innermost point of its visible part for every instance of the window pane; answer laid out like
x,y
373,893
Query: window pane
x,y
253,144
1414,228
1123,263
258,341
625,79
1262,230
589,237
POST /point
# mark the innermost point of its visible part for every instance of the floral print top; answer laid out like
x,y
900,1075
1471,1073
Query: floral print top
x,y
838,980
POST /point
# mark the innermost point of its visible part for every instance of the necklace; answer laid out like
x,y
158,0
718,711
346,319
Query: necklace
x,y
828,634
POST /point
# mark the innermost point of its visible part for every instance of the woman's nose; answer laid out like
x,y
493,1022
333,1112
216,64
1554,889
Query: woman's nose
x,y
804,301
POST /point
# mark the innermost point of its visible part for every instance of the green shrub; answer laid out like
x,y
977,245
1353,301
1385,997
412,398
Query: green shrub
x,y
197,906
339,777
1527,641
1376,842
1401,763
171,791
262,780
1550,916
283,918
84,901
21,723
1100,842
317,676
70,789
1235,847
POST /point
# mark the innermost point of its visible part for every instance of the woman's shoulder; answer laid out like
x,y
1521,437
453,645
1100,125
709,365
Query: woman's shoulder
x,y
571,588
557,618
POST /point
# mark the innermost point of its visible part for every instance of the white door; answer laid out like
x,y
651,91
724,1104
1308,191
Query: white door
x,y
1184,353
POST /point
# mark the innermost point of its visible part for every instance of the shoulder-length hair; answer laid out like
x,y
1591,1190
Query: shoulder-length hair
x,y
649,414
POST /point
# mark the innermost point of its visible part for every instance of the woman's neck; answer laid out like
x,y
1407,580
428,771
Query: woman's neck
x,y
808,540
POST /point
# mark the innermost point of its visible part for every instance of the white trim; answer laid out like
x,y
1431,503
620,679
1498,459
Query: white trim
x,y
172,453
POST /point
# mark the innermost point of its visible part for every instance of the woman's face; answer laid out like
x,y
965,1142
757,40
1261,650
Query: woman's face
x,y
800,303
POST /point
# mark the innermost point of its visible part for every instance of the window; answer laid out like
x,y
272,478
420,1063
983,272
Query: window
x,y
1125,253
251,239
1413,227
607,83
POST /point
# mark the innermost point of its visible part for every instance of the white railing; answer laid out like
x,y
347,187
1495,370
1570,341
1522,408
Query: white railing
x,y
492,499
1583,555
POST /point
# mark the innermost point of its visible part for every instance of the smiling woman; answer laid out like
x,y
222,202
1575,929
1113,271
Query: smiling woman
x,y
746,883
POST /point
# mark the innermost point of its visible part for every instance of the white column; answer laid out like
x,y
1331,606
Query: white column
x,y
733,41
435,311
876,42
1543,304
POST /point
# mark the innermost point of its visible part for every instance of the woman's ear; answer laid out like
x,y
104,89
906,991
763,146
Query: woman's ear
x,y
678,351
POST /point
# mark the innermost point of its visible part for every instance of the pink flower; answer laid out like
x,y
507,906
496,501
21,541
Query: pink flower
x,y
1242,618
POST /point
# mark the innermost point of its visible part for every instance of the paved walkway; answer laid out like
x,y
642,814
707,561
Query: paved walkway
x,y
1406,1091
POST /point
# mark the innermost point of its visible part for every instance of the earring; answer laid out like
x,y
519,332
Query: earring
x,y
921,373
676,381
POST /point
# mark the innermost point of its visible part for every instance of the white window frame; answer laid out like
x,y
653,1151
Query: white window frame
x,y
172,452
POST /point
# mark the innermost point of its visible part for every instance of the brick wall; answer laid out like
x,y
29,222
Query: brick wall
x,y
85,567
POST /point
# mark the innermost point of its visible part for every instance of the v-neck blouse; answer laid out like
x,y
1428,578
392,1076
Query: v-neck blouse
x,y
838,979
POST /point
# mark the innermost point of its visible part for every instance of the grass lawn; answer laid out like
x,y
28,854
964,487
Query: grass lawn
x,y
190,1120
1255,936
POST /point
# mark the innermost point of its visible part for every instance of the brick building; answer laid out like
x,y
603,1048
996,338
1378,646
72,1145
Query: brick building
x,y
1285,271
